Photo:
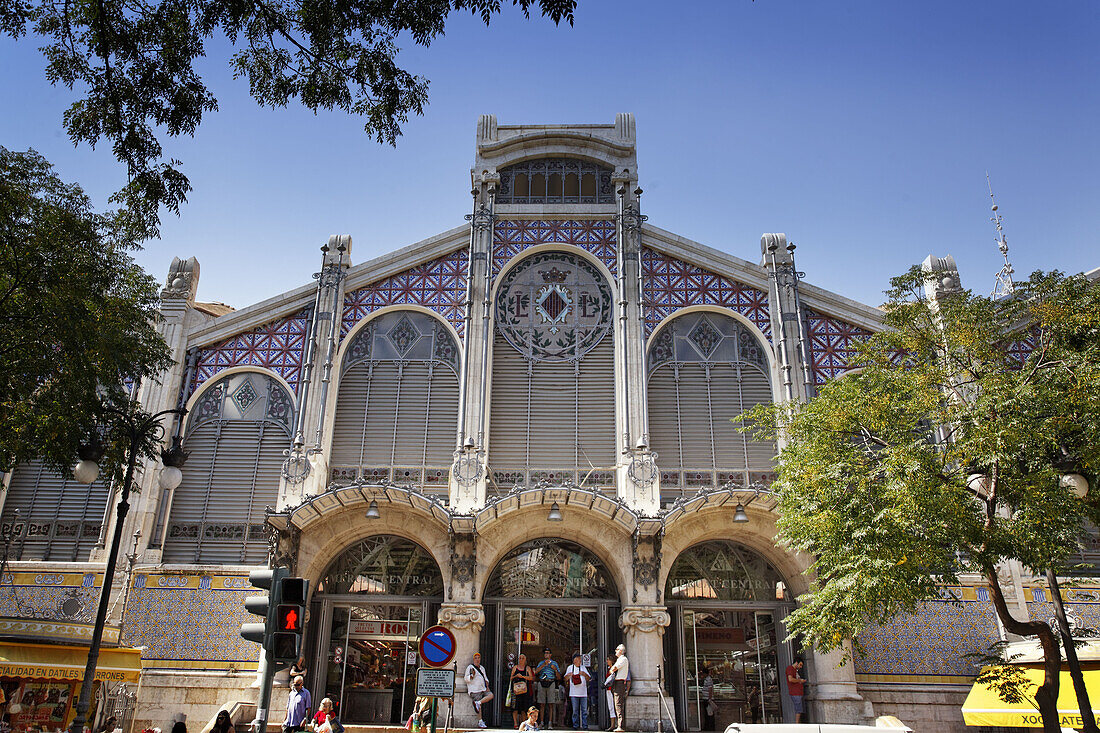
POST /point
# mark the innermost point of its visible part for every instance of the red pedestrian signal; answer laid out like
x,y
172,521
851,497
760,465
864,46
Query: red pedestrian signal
x,y
289,618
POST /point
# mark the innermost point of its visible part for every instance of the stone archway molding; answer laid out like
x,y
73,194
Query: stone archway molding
x,y
547,494
337,498
759,496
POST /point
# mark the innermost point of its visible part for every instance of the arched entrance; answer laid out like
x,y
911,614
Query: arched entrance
x,y
727,607
554,593
374,600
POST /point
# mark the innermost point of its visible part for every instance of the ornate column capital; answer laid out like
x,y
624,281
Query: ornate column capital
x,y
644,620
458,616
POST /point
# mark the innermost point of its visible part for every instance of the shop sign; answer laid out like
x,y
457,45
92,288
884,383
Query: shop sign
x,y
46,671
383,630
720,638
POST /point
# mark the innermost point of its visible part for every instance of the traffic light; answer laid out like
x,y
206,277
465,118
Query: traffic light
x,y
269,579
289,619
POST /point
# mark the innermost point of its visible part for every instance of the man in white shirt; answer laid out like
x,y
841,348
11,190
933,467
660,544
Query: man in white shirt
x,y
621,669
577,675
477,684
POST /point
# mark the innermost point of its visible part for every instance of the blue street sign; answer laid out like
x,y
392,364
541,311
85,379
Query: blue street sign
x,y
437,646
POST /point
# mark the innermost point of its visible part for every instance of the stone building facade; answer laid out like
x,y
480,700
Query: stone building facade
x,y
522,429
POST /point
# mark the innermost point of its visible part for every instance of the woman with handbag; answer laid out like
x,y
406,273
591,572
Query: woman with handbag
x,y
521,682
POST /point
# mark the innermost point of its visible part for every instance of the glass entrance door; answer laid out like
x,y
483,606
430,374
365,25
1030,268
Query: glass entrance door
x,y
566,631
370,662
739,649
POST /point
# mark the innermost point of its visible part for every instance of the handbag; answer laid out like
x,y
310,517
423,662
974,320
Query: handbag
x,y
545,682
520,687
510,699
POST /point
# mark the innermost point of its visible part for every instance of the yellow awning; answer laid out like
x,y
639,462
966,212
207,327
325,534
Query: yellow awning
x,y
983,707
67,662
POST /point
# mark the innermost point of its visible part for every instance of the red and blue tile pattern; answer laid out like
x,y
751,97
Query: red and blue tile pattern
x,y
671,284
439,285
832,345
277,346
512,236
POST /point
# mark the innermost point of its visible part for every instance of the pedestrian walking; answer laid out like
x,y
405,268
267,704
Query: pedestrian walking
x,y
298,706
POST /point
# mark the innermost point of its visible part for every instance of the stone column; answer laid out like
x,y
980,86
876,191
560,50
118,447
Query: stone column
x,y
465,621
946,282
305,472
788,330
469,472
832,691
639,479
159,393
643,628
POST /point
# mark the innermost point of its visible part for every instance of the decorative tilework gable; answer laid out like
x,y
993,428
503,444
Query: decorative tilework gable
x,y
832,345
277,346
671,284
439,285
512,236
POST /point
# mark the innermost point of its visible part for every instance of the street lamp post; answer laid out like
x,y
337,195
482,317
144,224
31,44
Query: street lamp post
x,y
137,429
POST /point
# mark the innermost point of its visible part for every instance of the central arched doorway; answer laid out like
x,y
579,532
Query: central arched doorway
x,y
727,605
374,600
554,593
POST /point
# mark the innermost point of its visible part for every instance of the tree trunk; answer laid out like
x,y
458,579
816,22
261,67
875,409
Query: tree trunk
x,y
1047,694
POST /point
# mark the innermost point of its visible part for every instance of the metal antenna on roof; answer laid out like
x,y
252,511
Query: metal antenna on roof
x,y
1004,285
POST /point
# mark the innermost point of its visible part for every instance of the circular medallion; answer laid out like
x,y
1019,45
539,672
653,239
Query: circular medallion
x,y
554,307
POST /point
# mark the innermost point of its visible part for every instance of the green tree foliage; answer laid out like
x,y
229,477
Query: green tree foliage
x,y
880,475
133,62
76,314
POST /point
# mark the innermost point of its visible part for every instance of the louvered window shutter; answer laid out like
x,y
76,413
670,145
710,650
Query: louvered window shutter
x,y
232,474
397,403
59,518
597,407
706,369
696,420
558,418
508,422
664,418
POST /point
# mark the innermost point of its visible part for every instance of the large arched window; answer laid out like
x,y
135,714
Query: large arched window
x,y
705,369
49,516
397,407
721,570
553,391
383,565
236,434
550,568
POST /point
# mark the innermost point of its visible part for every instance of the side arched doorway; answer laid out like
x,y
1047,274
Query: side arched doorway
x,y
374,600
727,608
554,593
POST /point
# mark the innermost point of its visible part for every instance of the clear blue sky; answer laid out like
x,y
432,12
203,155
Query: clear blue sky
x,y
862,129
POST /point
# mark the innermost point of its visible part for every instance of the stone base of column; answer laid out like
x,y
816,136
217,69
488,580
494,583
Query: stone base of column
x,y
844,710
643,712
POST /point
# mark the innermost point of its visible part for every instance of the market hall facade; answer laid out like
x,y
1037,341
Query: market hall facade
x,y
524,429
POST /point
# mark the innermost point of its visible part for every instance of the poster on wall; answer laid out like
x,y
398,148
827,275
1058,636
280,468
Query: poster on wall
x,y
39,704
